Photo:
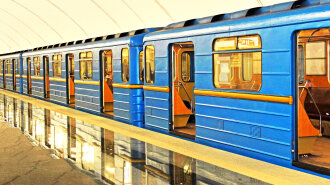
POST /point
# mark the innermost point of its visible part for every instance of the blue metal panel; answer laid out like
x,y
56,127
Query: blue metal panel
x,y
9,82
157,110
37,87
57,91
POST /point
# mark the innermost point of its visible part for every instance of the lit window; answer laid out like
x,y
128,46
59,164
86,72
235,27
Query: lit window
x,y
237,70
9,67
16,64
57,65
141,66
107,60
316,58
249,42
23,69
86,65
150,64
223,44
1,63
186,59
36,63
124,65
28,63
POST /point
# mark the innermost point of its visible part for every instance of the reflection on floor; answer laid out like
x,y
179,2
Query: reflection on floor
x,y
320,154
24,163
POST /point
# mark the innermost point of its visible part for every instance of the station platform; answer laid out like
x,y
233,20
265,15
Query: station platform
x,y
265,172
24,163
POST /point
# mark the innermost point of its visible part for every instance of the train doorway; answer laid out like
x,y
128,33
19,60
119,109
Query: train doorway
x,y
182,90
29,83
70,79
106,83
46,77
313,90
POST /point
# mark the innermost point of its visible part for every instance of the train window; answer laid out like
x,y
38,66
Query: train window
x,y
1,67
249,42
23,70
300,63
86,65
16,64
57,65
223,44
141,67
107,59
237,70
186,59
316,58
8,67
36,64
150,64
124,65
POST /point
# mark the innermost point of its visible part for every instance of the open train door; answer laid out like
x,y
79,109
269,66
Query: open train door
x,y
313,102
182,89
46,77
70,79
106,83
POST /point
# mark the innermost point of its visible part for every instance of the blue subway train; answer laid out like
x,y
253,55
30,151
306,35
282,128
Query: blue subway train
x,y
254,82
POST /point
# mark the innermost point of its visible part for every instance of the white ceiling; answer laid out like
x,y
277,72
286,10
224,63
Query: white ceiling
x,y
26,24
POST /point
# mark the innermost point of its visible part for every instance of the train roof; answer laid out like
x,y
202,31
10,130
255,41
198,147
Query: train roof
x,y
131,38
9,56
262,17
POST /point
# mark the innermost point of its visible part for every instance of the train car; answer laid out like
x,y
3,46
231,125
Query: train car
x,y
231,81
10,70
96,76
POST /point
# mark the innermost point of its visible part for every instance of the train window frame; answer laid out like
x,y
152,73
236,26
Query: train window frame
x,y
57,65
141,66
240,83
124,67
150,75
86,62
36,66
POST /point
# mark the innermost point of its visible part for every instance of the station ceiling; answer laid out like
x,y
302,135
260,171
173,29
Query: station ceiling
x,y
27,24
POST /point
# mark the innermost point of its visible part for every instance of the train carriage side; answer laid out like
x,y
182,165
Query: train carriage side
x,y
102,86
25,79
35,72
244,74
55,83
127,86
8,73
87,79
11,71
18,75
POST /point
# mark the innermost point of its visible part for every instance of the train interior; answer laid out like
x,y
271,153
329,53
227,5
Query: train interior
x,y
314,102
183,82
46,77
107,88
70,80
